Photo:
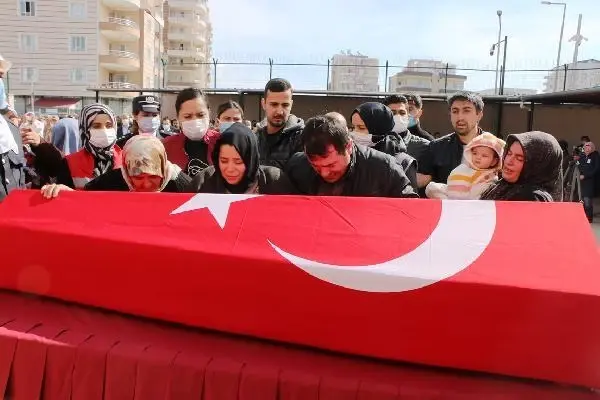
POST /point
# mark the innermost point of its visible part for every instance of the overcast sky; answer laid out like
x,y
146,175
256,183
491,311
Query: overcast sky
x,y
459,32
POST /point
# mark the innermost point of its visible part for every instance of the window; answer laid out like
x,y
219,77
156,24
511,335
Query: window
x,y
77,43
28,43
77,9
27,8
78,75
29,75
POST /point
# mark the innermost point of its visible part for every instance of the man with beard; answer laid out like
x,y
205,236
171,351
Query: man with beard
x,y
279,137
444,154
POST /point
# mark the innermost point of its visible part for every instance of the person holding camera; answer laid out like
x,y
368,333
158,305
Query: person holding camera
x,y
589,167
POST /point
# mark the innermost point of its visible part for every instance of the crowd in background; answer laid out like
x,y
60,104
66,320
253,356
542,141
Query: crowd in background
x,y
380,149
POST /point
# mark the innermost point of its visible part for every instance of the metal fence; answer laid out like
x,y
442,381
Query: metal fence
x,y
387,77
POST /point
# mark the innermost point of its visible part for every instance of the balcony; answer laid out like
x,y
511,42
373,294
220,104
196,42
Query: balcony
x,y
120,30
128,5
117,60
196,5
184,67
196,53
187,20
185,84
192,36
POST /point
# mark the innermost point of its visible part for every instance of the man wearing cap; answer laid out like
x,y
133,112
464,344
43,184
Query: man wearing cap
x,y
146,118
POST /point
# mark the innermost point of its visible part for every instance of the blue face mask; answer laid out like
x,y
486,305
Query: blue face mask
x,y
223,126
149,125
412,121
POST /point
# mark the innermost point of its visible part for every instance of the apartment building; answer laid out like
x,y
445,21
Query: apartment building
x,y
354,73
60,48
187,39
427,76
580,75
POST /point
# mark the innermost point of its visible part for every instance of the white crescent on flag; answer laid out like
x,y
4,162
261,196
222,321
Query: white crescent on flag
x,y
464,231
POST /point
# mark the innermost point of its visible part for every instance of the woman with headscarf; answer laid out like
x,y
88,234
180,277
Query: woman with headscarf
x,y
65,136
145,168
531,169
98,155
374,127
237,168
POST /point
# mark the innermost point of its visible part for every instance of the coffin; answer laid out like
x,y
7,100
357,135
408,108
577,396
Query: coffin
x,y
504,288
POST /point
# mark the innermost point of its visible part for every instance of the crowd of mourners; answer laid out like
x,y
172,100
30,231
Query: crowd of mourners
x,y
379,150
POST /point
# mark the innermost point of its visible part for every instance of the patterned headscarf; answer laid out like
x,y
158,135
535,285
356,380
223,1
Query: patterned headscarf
x,y
103,156
146,155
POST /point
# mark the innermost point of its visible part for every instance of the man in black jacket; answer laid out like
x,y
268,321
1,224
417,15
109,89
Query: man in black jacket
x,y
589,168
332,165
415,111
415,144
445,154
279,136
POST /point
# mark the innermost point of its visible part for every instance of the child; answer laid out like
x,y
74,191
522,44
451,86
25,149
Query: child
x,y
482,159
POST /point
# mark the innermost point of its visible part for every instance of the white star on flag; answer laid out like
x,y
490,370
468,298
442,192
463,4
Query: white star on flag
x,y
217,204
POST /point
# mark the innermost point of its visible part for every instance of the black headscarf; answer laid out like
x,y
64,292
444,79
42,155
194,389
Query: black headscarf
x,y
379,120
541,177
244,141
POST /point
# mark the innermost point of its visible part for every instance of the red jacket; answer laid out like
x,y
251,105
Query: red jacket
x,y
81,165
175,147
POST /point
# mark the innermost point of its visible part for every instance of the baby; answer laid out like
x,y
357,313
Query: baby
x,y
482,159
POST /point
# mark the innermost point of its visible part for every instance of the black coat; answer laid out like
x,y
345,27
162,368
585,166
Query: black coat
x,y
12,173
113,181
271,180
394,145
420,132
276,149
589,167
441,157
371,174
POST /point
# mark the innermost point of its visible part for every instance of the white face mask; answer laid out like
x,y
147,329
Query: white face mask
x,y
401,123
194,129
149,125
365,140
102,138
223,126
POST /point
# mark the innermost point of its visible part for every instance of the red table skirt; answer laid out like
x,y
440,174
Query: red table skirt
x,y
53,350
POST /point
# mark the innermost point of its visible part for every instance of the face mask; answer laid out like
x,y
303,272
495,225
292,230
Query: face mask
x,y
412,121
400,123
223,126
166,127
365,140
194,129
102,138
149,125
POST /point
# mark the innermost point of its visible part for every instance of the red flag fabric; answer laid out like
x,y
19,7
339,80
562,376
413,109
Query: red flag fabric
x,y
507,288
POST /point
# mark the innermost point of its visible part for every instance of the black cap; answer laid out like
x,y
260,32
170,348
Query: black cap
x,y
145,103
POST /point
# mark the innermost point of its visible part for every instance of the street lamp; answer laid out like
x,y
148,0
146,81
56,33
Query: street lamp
x,y
492,50
164,59
499,14
562,29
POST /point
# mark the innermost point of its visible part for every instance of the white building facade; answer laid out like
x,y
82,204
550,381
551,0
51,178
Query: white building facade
x,y
354,73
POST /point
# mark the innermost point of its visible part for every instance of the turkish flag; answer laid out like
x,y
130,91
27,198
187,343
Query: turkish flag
x,y
507,288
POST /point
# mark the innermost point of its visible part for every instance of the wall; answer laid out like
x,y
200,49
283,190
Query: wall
x,y
568,122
